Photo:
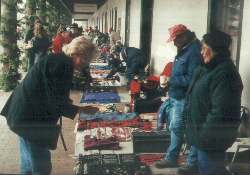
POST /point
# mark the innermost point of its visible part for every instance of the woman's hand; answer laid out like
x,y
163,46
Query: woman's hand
x,y
88,109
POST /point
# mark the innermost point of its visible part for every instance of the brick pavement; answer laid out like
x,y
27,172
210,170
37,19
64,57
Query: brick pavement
x,y
62,161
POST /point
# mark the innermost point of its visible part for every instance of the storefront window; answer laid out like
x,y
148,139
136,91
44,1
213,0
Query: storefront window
x,y
226,15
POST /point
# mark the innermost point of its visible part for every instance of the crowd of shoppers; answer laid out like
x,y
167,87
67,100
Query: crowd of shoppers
x,y
204,93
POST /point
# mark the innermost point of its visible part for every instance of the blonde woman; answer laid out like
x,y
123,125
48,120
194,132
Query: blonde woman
x,y
40,100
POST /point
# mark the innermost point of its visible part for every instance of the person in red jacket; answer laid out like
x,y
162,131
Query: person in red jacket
x,y
167,69
165,75
63,37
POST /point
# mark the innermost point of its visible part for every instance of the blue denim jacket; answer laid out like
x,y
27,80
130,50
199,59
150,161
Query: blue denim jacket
x,y
185,63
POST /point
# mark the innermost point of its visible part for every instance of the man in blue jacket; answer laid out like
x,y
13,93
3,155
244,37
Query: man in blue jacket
x,y
187,59
135,62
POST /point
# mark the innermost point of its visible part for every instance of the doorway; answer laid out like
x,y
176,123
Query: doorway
x,y
226,16
103,23
127,22
115,28
106,22
146,27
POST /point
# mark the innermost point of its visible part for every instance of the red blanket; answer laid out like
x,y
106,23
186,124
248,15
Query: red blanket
x,y
135,123
110,143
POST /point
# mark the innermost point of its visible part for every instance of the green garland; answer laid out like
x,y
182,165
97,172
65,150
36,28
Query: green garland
x,y
9,74
53,14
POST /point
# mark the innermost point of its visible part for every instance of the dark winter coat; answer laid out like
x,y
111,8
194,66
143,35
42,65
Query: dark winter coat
x,y
212,110
40,44
185,63
42,97
40,47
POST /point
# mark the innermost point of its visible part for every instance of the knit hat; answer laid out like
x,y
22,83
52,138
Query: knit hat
x,y
218,41
176,30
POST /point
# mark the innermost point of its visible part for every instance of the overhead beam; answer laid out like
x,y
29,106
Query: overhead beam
x,y
90,1
81,7
84,13
81,16
80,19
70,3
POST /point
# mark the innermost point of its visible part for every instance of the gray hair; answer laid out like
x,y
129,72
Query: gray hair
x,y
80,45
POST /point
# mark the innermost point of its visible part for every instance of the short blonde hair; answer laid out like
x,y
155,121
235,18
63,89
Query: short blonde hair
x,y
80,45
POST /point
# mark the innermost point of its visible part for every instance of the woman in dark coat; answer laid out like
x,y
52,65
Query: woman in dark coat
x,y
40,43
33,109
213,104
27,40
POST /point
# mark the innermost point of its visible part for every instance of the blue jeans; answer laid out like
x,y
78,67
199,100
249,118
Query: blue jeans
x,y
163,114
176,128
211,163
192,158
35,160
